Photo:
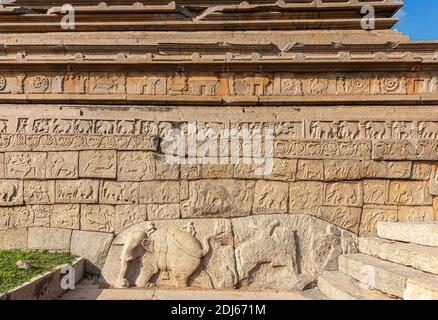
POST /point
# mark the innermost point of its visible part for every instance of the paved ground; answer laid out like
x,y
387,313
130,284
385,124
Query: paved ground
x,y
88,291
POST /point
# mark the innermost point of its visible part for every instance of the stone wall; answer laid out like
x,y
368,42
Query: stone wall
x,y
82,178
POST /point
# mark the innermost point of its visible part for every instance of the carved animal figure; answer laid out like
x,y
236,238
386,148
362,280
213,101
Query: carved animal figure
x,y
266,246
62,126
126,127
348,130
117,192
428,130
307,171
84,126
375,130
105,127
60,167
173,252
336,194
322,130
82,191
21,164
100,164
7,191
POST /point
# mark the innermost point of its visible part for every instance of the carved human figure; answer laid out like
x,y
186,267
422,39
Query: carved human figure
x,y
174,253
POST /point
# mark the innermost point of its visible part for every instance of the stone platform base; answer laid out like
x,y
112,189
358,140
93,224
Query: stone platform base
x,y
87,291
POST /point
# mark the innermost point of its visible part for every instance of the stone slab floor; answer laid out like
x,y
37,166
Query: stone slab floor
x,y
85,290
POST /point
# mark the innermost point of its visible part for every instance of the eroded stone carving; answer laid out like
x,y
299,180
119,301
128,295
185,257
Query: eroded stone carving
x,y
176,254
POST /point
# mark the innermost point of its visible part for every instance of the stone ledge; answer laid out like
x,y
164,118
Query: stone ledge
x,y
45,286
412,255
419,233
393,279
339,286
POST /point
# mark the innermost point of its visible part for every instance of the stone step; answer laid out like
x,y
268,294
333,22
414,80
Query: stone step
x,y
420,257
424,233
390,278
339,286
91,293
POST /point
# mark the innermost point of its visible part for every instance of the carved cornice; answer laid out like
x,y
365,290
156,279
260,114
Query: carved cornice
x,y
222,56
23,16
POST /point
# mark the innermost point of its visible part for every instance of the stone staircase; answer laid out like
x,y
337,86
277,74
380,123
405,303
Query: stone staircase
x,y
401,263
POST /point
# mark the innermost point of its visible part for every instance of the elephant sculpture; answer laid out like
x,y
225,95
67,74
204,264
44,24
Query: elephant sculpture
x,y
175,253
7,191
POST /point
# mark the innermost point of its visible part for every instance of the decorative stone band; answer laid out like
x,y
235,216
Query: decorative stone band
x,y
426,150
55,142
219,88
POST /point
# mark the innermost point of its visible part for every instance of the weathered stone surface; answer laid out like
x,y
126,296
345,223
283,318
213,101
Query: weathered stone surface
x,y
2,165
65,216
112,192
338,286
371,215
62,165
408,254
424,233
25,165
217,171
305,197
270,197
13,238
409,193
310,170
39,192
11,192
414,214
128,215
321,149
283,169
344,217
159,192
218,198
217,268
46,286
375,191
390,278
163,211
342,170
98,164
136,166
77,191
95,156
93,246
312,246
421,171
41,238
97,217
387,169
343,194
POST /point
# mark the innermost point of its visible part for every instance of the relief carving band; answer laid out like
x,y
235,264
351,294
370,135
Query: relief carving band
x,y
222,84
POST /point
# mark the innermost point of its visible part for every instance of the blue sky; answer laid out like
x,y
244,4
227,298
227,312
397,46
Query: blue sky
x,y
419,19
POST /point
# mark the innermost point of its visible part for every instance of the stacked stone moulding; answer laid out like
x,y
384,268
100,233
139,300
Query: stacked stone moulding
x,y
85,113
